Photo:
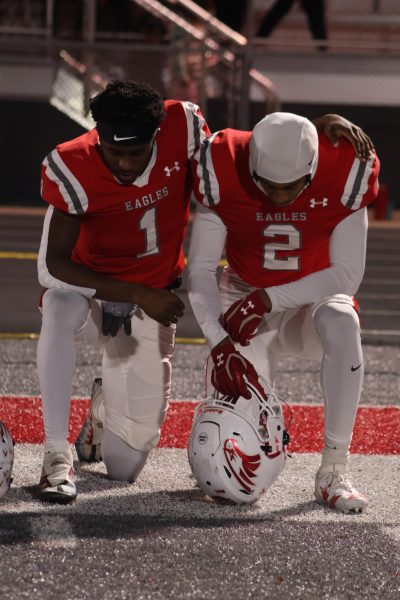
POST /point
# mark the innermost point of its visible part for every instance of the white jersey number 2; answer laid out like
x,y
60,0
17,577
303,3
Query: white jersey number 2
x,y
288,263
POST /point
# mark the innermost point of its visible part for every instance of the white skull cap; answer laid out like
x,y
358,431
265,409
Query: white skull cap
x,y
284,148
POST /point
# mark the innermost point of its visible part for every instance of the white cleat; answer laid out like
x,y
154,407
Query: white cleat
x,y
88,443
56,482
335,490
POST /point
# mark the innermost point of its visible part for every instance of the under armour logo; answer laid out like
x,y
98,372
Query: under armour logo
x,y
168,170
313,202
220,359
245,309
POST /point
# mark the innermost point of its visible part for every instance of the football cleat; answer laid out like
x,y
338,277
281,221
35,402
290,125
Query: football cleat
x,y
335,490
6,459
88,443
56,482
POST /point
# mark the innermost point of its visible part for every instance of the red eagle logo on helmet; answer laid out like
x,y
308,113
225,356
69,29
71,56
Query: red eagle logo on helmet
x,y
242,466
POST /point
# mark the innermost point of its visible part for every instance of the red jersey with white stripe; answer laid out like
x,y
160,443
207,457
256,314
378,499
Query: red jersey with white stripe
x,y
268,245
132,233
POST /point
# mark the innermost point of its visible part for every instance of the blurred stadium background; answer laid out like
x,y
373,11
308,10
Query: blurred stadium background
x,y
55,54
158,539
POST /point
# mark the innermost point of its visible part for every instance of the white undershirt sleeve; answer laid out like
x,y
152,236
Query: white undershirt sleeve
x,y
347,252
46,279
206,247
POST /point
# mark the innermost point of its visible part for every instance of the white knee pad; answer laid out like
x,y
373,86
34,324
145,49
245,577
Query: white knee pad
x,y
123,462
336,321
136,374
63,313
342,368
64,309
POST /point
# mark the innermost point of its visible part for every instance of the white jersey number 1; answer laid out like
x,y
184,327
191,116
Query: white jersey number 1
x,y
149,225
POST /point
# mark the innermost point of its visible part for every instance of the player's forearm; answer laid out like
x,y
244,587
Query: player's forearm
x,y
347,250
315,287
206,304
100,286
206,246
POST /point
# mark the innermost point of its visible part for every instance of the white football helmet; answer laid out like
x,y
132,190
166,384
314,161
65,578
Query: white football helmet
x,y
6,459
284,148
236,451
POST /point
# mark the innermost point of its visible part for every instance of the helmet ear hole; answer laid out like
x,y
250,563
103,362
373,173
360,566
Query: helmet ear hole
x,y
236,452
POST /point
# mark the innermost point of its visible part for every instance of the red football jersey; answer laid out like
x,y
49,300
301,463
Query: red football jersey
x,y
131,233
268,245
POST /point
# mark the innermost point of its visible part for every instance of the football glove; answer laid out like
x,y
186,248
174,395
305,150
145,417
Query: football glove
x,y
116,315
231,370
242,319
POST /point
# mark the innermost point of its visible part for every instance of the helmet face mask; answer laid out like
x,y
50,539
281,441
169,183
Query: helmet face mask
x,y
6,459
236,451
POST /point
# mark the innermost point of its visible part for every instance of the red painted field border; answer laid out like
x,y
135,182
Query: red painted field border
x,y
377,429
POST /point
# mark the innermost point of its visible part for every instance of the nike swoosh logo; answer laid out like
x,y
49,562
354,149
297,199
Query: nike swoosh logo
x,y
120,139
356,368
309,164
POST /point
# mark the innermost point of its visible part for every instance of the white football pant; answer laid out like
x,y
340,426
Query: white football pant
x,y
327,331
136,370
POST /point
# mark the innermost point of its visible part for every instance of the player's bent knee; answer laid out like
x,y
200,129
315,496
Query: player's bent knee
x,y
63,306
123,463
336,322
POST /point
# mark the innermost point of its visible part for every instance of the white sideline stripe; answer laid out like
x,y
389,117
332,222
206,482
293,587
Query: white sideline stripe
x,y
383,269
379,296
389,313
384,257
380,282
53,532
193,400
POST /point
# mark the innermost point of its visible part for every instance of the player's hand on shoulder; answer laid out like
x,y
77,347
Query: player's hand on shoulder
x,y
335,127
162,305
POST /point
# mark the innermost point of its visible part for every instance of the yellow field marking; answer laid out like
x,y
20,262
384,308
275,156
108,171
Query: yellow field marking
x,y
221,263
33,256
19,255
35,336
19,336
185,340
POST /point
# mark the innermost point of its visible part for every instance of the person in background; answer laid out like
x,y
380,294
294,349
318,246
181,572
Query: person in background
x,y
314,10
231,12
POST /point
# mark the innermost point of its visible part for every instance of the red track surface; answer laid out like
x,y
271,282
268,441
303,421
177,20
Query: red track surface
x,y
377,429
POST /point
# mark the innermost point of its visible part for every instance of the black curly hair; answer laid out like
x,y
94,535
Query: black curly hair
x,y
128,102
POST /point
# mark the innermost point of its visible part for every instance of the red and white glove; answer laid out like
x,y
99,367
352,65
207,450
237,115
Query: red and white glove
x,y
243,318
230,370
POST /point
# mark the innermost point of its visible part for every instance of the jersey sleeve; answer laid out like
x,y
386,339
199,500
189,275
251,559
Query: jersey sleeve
x,y
361,187
59,186
197,127
347,253
206,186
46,279
206,247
